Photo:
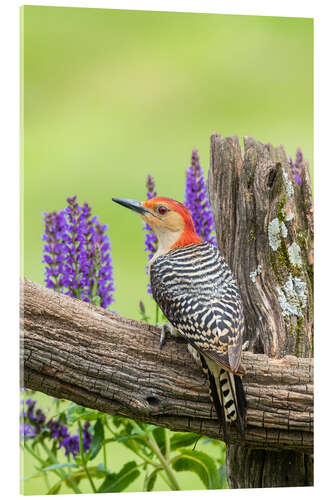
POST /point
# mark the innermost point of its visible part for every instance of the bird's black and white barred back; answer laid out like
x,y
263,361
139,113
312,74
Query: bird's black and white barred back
x,y
195,289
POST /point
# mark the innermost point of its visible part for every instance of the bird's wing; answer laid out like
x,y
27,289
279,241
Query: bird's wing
x,y
218,334
214,327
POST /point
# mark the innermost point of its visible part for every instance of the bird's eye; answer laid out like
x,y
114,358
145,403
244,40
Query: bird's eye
x,y
162,210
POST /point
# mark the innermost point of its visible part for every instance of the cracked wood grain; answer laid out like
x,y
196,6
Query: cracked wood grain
x,y
247,194
80,352
250,194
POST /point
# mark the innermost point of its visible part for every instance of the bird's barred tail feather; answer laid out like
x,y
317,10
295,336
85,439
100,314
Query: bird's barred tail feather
x,y
214,397
234,400
227,395
241,403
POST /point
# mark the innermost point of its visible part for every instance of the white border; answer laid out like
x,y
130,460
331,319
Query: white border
x,y
323,167
291,8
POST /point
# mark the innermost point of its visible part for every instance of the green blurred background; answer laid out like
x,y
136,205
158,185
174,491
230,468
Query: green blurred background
x,y
112,95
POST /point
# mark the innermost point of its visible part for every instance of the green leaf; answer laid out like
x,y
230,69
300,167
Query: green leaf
x,y
135,439
87,415
149,427
138,432
55,488
37,474
76,412
131,442
182,439
58,466
114,483
97,439
150,480
200,463
117,421
101,471
159,434
207,441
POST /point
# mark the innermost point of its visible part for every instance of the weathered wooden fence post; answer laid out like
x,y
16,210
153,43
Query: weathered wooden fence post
x,y
264,225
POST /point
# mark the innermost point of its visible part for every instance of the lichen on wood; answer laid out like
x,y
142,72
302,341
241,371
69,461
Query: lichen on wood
x,y
255,194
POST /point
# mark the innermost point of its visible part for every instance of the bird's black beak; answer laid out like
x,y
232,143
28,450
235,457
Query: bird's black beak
x,y
132,204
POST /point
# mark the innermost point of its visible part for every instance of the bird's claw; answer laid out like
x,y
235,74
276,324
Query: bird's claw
x,y
245,346
166,329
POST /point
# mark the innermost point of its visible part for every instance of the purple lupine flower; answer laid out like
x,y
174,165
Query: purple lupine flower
x,y
196,200
34,422
142,311
54,248
27,432
57,429
71,443
77,254
103,262
76,272
86,436
296,168
151,239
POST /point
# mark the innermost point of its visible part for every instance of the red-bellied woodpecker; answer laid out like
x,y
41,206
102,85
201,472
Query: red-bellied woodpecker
x,y
194,287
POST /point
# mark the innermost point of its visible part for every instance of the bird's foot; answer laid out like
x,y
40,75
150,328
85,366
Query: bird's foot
x,y
166,329
245,346
195,354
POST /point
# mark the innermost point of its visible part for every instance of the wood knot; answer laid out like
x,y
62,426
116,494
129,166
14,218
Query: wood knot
x,y
153,401
272,176
154,404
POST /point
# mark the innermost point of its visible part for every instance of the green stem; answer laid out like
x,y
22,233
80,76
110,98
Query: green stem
x,y
147,459
84,461
108,426
46,479
45,476
141,455
173,485
105,421
167,445
157,313
165,479
160,470
61,473
33,454
104,456
164,462
38,458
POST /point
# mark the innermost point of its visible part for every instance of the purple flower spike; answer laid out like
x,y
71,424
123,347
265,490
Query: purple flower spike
x,y
77,254
296,168
196,200
54,249
33,424
71,443
150,240
103,262
27,432
32,421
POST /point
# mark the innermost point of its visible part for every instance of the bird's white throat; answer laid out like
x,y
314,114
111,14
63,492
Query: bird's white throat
x,y
166,239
